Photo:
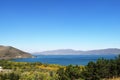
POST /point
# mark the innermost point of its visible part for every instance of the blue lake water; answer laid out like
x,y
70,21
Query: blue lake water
x,y
65,59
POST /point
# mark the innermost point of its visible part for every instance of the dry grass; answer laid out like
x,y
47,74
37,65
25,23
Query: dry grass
x,y
112,79
115,79
48,68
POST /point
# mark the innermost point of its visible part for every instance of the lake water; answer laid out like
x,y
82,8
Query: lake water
x,y
65,59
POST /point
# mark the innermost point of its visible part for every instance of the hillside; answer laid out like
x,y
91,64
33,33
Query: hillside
x,y
59,52
79,52
8,52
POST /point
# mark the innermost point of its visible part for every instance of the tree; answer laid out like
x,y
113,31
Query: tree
x,y
70,73
91,72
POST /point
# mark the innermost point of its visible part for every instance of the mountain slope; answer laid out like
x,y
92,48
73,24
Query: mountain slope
x,y
8,52
77,52
59,52
104,51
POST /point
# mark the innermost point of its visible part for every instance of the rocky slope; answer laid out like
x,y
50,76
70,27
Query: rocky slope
x,y
8,52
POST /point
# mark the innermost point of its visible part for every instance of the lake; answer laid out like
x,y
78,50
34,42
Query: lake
x,y
65,59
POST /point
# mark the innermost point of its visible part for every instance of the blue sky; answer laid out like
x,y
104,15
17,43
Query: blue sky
x,y
38,25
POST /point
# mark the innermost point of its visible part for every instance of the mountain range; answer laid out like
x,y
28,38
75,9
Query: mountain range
x,y
9,52
108,51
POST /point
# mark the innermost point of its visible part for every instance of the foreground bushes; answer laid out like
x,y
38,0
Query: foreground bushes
x,y
101,69
70,73
28,76
27,71
9,76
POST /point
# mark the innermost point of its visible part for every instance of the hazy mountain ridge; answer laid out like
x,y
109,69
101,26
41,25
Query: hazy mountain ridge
x,y
79,52
8,52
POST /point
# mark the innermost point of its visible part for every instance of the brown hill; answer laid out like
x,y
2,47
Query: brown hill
x,y
8,52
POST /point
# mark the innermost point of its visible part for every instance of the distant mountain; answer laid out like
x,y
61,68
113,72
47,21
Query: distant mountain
x,y
8,52
78,52
59,52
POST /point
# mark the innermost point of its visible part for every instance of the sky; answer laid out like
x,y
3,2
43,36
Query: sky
x,y
39,25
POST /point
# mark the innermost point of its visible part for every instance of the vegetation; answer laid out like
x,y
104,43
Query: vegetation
x,y
70,72
28,71
102,69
